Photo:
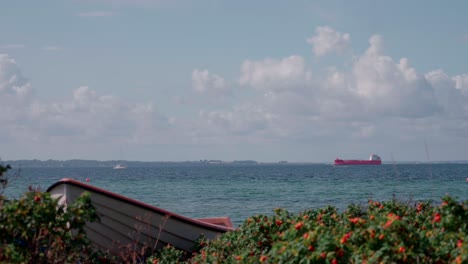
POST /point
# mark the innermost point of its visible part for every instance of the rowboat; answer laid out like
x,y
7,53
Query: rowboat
x,y
125,222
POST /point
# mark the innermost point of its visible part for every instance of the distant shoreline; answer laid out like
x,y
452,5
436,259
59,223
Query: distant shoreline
x,y
74,163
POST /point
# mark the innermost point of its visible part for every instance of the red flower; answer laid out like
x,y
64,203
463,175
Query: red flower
x,y
237,257
311,248
419,207
298,225
437,218
388,224
334,261
319,217
402,250
263,258
279,222
37,198
345,238
306,235
323,255
155,261
382,236
459,243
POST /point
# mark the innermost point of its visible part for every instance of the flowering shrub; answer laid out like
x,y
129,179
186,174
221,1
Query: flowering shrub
x,y
388,232
36,229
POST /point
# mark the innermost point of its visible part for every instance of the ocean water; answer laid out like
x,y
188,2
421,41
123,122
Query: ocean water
x,y
243,191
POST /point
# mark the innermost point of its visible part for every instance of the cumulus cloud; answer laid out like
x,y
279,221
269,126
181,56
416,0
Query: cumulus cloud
x,y
392,88
12,81
373,97
461,83
327,40
273,74
86,119
204,81
89,116
377,94
451,93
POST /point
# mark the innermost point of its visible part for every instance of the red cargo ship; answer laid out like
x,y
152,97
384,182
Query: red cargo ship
x,y
373,160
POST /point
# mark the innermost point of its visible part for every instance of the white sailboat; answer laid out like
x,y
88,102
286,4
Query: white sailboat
x,y
120,165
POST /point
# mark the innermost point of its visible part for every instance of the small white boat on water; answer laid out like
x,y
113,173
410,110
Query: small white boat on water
x,y
119,166
126,222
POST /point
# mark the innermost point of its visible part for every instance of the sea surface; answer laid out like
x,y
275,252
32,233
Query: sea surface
x,y
243,191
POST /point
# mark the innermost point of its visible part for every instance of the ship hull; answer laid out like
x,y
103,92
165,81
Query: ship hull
x,y
357,162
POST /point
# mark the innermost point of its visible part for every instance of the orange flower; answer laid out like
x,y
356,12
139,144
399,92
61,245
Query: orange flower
x,y
345,238
382,236
298,225
238,257
388,224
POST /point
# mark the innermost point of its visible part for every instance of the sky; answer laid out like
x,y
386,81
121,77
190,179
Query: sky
x,y
179,80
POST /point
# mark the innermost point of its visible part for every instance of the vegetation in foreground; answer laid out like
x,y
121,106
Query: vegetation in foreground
x,y
388,232
35,229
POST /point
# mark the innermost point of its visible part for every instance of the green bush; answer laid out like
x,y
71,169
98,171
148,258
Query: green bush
x,y
388,232
36,229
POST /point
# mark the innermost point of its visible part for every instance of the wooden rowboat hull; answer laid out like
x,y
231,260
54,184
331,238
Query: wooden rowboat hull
x,y
127,223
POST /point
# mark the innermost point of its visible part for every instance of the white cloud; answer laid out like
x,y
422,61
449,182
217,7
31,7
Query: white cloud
x,y
12,81
273,74
391,88
204,81
376,95
89,117
328,40
96,14
451,93
86,119
373,99
461,83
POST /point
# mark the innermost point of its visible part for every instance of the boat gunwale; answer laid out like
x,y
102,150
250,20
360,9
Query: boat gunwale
x,y
152,208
